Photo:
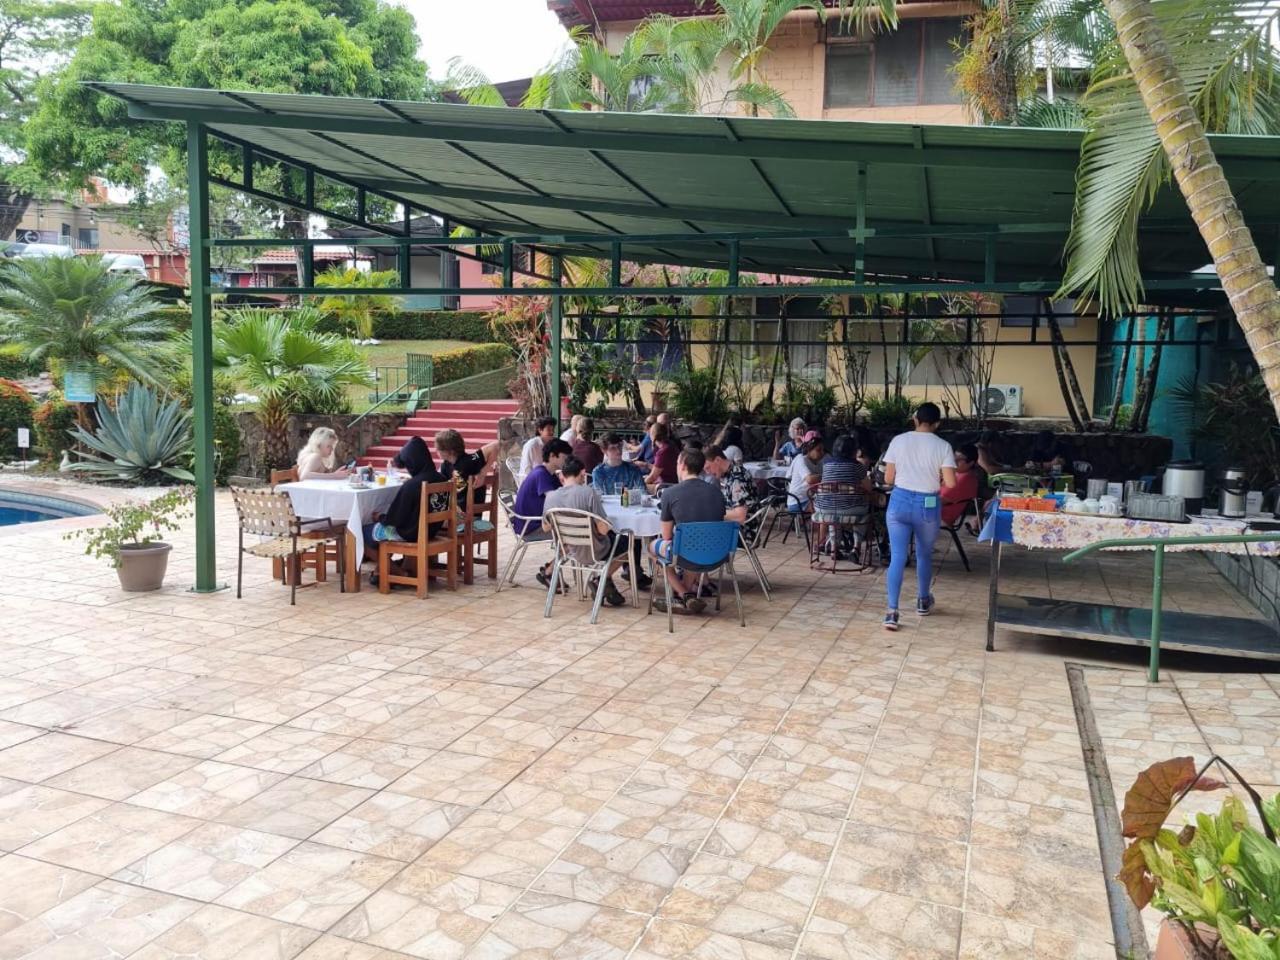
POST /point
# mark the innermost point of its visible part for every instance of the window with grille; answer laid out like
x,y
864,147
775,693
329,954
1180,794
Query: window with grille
x,y
907,66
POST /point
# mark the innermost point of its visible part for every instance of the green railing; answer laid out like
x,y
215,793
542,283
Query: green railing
x,y
1157,577
411,383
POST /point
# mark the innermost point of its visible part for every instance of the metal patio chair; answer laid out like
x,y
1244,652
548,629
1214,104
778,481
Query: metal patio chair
x,y
573,536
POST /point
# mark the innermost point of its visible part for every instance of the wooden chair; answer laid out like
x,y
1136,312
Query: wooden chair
x,y
421,550
269,514
473,538
314,558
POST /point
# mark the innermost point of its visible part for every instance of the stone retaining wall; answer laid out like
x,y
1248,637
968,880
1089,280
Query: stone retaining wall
x,y
352,440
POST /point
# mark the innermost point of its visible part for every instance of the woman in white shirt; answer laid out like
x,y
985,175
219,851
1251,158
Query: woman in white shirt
x,y
318,460
531,452
917,466
574,424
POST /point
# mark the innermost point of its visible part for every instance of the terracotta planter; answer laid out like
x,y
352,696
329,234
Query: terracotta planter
x,y
142,566
1174,943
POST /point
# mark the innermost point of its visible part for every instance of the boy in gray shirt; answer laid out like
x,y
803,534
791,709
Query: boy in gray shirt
x,y
576,494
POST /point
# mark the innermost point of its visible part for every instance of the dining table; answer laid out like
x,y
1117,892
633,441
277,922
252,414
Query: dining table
x,y
351,506
637,524
765,470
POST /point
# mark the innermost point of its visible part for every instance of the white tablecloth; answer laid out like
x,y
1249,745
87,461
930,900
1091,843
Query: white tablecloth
x,y
765,470
641,521
341,503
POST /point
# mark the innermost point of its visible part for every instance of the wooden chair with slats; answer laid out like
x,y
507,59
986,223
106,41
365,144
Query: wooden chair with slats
x,y
283,535
417,553
313,558
480,529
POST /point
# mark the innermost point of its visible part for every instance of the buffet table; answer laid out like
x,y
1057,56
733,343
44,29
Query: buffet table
x,y
1205,633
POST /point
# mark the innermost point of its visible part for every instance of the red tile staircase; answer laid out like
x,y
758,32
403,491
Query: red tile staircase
x,y
476,420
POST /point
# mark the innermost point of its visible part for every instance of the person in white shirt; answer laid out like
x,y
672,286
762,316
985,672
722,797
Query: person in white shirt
x,y
805,471
531,452
917,466
572,432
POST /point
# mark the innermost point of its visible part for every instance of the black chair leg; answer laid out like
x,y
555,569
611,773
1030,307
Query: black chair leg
x,y
964,558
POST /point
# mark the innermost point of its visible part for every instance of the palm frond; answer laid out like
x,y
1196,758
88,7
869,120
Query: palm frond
x,y
1059,114
1223,53
471,84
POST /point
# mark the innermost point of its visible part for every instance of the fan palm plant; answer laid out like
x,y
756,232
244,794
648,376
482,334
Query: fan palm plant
x,y
76,311
280,356
1181,67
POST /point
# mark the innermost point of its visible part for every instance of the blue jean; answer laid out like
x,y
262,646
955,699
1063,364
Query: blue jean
x,y
908,517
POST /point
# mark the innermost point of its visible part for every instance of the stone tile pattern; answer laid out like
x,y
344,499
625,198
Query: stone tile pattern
x,y
364,776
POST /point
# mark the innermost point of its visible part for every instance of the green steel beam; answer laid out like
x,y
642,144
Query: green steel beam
x,y
860,249
201,357
557,323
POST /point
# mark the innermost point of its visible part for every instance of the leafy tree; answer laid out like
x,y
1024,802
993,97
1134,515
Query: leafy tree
x,y
76,311
339,47
34,36
292,368
355,313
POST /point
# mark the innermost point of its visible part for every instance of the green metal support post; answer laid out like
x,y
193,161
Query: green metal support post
x,y
1157,599
557,323
201,355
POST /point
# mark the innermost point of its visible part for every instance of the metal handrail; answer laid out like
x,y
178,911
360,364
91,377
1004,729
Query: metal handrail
x,y
1157,573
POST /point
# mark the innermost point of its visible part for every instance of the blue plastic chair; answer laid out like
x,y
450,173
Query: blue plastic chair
x,y
701,548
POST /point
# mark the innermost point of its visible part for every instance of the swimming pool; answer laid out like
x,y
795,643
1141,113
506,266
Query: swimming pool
x,y
20,506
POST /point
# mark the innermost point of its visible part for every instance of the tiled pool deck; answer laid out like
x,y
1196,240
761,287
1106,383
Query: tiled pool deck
x,y
369,776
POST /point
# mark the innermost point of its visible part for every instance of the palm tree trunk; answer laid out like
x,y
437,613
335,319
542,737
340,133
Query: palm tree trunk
x,y
1252,293
1117,394
1081,417
1142,409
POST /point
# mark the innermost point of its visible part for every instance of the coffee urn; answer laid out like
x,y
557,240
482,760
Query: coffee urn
x,y
1185,478
1233,493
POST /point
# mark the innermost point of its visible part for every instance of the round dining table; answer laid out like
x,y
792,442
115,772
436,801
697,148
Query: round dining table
x,y
637,524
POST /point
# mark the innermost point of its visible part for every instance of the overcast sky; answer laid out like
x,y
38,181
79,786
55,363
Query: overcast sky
x,y
507,39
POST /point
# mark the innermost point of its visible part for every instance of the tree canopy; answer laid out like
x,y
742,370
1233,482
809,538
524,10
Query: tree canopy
x,y
340,47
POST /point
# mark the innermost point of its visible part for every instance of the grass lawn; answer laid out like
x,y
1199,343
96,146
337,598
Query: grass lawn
x,y
391,353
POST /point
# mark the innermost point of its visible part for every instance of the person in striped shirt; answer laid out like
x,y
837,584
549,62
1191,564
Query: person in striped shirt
x,y
846,507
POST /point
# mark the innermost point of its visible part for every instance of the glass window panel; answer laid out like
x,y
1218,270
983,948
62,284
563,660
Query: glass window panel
x,y
848,82
897,73
940,55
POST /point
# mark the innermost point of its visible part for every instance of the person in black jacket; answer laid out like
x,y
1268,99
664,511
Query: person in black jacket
x,y
400,522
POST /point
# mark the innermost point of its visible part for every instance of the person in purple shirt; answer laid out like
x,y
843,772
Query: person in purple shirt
x,y
532,495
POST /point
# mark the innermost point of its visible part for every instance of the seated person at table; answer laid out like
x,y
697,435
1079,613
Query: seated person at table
x,y
989,458
736,486
462,467
576,494
318,460
689,501
847,507
805,472
531,452
614,470
584,445
642,450
572,430
869,456
795,440
957,499
400,522
532,495
730,440
1048,455
665,453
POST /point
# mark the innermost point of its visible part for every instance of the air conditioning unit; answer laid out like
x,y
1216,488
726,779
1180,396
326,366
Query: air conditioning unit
x,y
1000,400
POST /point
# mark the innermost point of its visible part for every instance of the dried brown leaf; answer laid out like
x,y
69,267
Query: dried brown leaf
x,y
1147,804
1133,874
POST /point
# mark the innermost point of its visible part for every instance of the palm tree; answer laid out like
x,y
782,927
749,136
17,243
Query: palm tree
x,y
355,313
280,356
75,311
1183,65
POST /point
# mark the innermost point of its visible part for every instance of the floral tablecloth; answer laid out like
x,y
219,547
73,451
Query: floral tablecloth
x,y
1070,531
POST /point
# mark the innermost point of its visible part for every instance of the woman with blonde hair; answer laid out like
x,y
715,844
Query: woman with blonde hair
x,y
318,460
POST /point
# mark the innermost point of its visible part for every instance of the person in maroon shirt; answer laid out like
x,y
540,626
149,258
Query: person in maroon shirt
x,y
665,456
584,446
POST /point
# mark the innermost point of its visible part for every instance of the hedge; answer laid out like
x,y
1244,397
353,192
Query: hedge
x,y
424,325
484,386
468,361
17,409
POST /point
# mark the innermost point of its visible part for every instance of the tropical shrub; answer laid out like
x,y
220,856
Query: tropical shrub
x,y
890,412
281,356
227,440
1220,872
355,313
1234,422
17,409
75,311
53,422
134,524
469,361
142,440
696,396
13,365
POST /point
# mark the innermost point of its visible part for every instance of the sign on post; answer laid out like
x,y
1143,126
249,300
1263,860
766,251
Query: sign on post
x,y
24,438
77,387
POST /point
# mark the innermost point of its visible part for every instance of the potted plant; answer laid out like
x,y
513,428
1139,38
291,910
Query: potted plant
x,y
131,538
1217,880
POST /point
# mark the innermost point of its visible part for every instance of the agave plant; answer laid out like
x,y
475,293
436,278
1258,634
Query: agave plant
x,y
144,440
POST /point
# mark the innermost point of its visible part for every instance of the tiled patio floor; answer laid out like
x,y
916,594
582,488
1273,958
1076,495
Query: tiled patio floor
x,y
369,776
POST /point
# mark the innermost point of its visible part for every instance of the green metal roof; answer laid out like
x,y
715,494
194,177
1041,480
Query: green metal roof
x,y
942,201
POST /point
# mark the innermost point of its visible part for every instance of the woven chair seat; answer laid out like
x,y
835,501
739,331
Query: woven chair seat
x,y
279,547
